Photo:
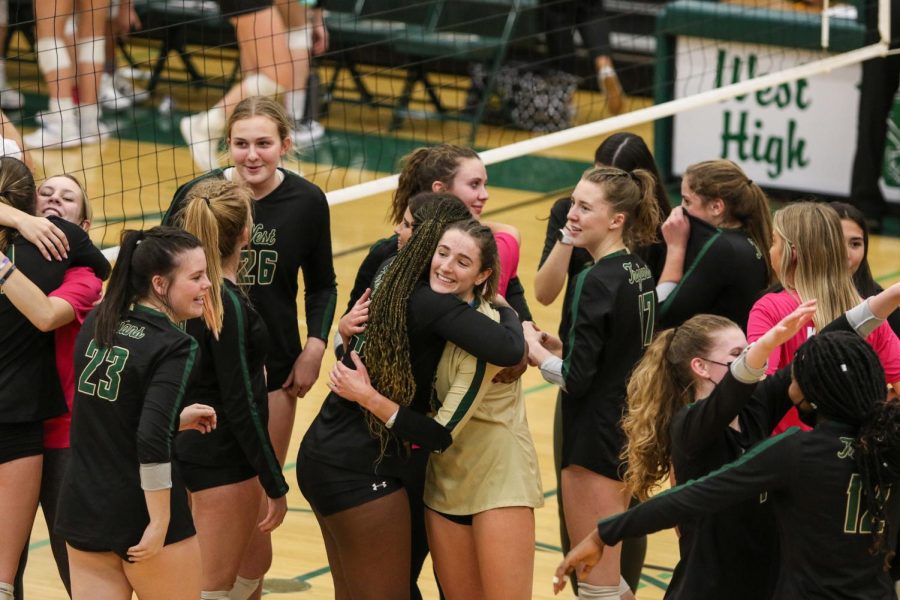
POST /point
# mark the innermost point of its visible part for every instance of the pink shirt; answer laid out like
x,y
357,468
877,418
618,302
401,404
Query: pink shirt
x,y
508,253
80,288
773,307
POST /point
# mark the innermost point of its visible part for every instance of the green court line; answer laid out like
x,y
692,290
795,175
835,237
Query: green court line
x,y
311,574
654,581
38,544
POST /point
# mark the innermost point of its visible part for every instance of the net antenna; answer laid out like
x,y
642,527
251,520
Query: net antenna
x,y
662,110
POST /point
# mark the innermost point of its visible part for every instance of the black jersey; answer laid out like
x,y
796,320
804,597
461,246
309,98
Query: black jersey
x,y
127,402
654,256
613,306
291,232
724,274
231,379
28,355
339,434
824,530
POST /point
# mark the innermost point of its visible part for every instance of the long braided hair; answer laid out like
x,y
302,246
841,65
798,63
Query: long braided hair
x,y
387,342
842,376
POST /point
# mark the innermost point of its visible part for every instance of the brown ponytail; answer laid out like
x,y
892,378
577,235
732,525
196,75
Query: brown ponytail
x,y
421,168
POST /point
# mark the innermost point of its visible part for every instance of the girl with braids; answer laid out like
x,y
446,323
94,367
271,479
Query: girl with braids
x,y
561,263
831,488
612,321
124,511
481,491
363,482
221,469
809,257
457,170
716,241
291,233
856,235
690,411
28,396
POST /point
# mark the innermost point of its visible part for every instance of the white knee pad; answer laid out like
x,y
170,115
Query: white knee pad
x,y
300,39
258,84
7,591
52,54
91,50
624,588
220,595
243,587
586,591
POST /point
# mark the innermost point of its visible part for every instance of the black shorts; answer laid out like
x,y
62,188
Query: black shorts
x,y
330,489
202,477
20,440
234,8
458,519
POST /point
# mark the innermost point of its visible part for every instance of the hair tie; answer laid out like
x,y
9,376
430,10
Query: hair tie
x,y
140,237
206,199
749,181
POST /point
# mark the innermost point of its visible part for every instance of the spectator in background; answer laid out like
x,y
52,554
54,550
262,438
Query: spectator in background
x,y
561,18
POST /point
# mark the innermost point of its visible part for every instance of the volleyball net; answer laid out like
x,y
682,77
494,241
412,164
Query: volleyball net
x,y
770,84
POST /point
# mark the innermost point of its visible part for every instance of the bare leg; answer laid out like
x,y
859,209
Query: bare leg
x,y
262,39
454,555
353,533
504,540
588,497
20,485
258,557
97,576
173,574
222,547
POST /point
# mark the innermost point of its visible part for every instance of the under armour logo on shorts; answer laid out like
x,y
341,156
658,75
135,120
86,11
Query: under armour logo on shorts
x,y
382,485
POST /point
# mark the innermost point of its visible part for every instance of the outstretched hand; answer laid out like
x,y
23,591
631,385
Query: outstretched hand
x,y
580,559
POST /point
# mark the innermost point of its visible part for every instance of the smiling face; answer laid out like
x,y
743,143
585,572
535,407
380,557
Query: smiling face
x,y
469,185
456,266
61,197
591,219
256,151
856,243
184,290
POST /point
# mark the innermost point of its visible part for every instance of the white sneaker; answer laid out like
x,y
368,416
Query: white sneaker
x,y
203,149
55,132
109,97
11,99
126,88
306,133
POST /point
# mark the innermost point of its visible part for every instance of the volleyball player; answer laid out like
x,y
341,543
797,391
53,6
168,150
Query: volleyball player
x,y
613,310
358,476
27,395
124,511
561,263
291,233
716,242
62,311
809,257
690,411
482,483
829,486
221,468
856,234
